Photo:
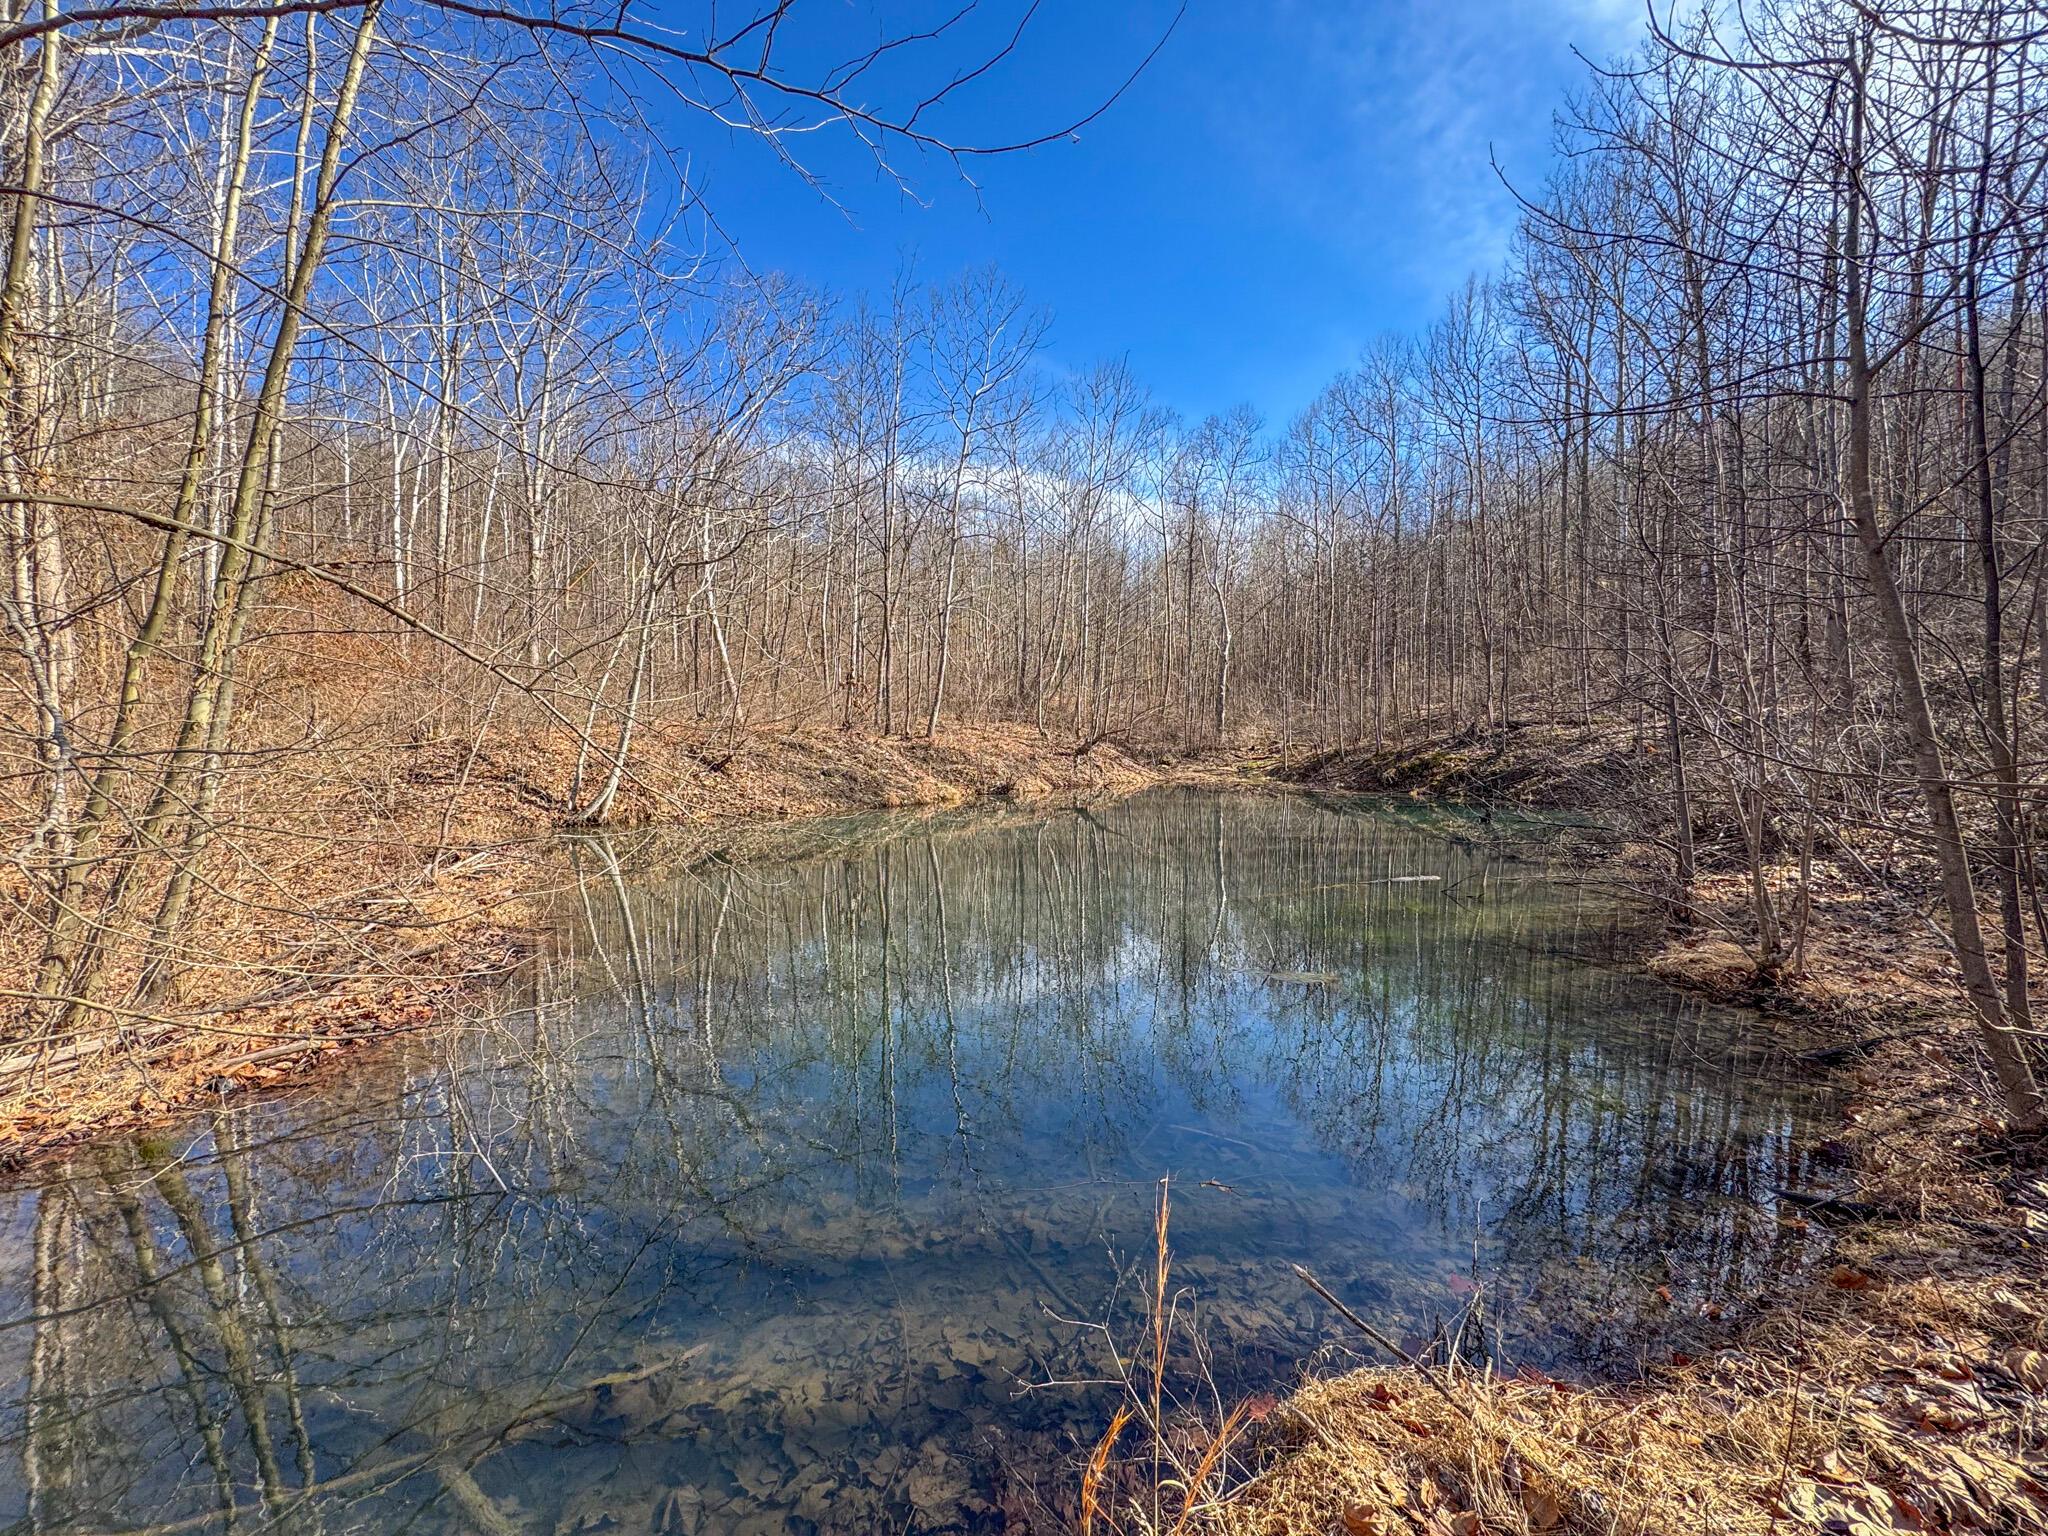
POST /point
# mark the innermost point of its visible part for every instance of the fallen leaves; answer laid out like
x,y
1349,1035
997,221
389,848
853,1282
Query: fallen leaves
x,y
1952,1368
1831,1469
1401,1507
1954,1487
1386,1400
1541,1509
1933,1413
2028,1367
2011,1305
1851,1507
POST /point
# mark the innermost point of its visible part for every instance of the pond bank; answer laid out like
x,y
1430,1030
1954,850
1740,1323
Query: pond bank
x,y
1899,1388
378,900
866,1120
1902,1386
1896,1388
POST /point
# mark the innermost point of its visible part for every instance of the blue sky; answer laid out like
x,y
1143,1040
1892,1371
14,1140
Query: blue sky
x,y
1286,181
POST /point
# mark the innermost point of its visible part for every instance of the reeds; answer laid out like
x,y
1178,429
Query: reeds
x,y
1098,1465
1185,1468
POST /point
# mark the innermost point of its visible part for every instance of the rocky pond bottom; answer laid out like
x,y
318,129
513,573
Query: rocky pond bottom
x,y
816,1195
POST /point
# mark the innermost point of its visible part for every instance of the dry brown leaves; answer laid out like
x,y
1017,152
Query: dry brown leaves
x,y
1843,1437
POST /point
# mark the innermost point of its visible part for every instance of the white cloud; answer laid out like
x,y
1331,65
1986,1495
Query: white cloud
x,y
1435,88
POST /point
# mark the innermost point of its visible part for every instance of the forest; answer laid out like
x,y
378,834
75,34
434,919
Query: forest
x,y
367,343
336,347
401,469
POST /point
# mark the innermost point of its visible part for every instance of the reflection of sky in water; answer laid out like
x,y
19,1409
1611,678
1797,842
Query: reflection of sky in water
x,y
760,1206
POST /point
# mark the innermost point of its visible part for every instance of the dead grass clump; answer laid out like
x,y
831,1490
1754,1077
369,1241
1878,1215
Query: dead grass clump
x,y
1711,965
1865,1408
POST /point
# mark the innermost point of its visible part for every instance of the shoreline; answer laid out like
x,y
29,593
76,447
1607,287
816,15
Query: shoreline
x,y
476,835
1946,1360
1890,1386
1896,1385
476,897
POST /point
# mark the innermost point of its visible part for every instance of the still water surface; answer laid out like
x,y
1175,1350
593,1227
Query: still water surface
x,y
787,1195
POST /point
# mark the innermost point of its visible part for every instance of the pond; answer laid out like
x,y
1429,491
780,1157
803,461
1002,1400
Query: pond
x,y
818,1193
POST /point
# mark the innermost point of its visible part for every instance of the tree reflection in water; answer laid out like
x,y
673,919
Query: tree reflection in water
x,y
763,1203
